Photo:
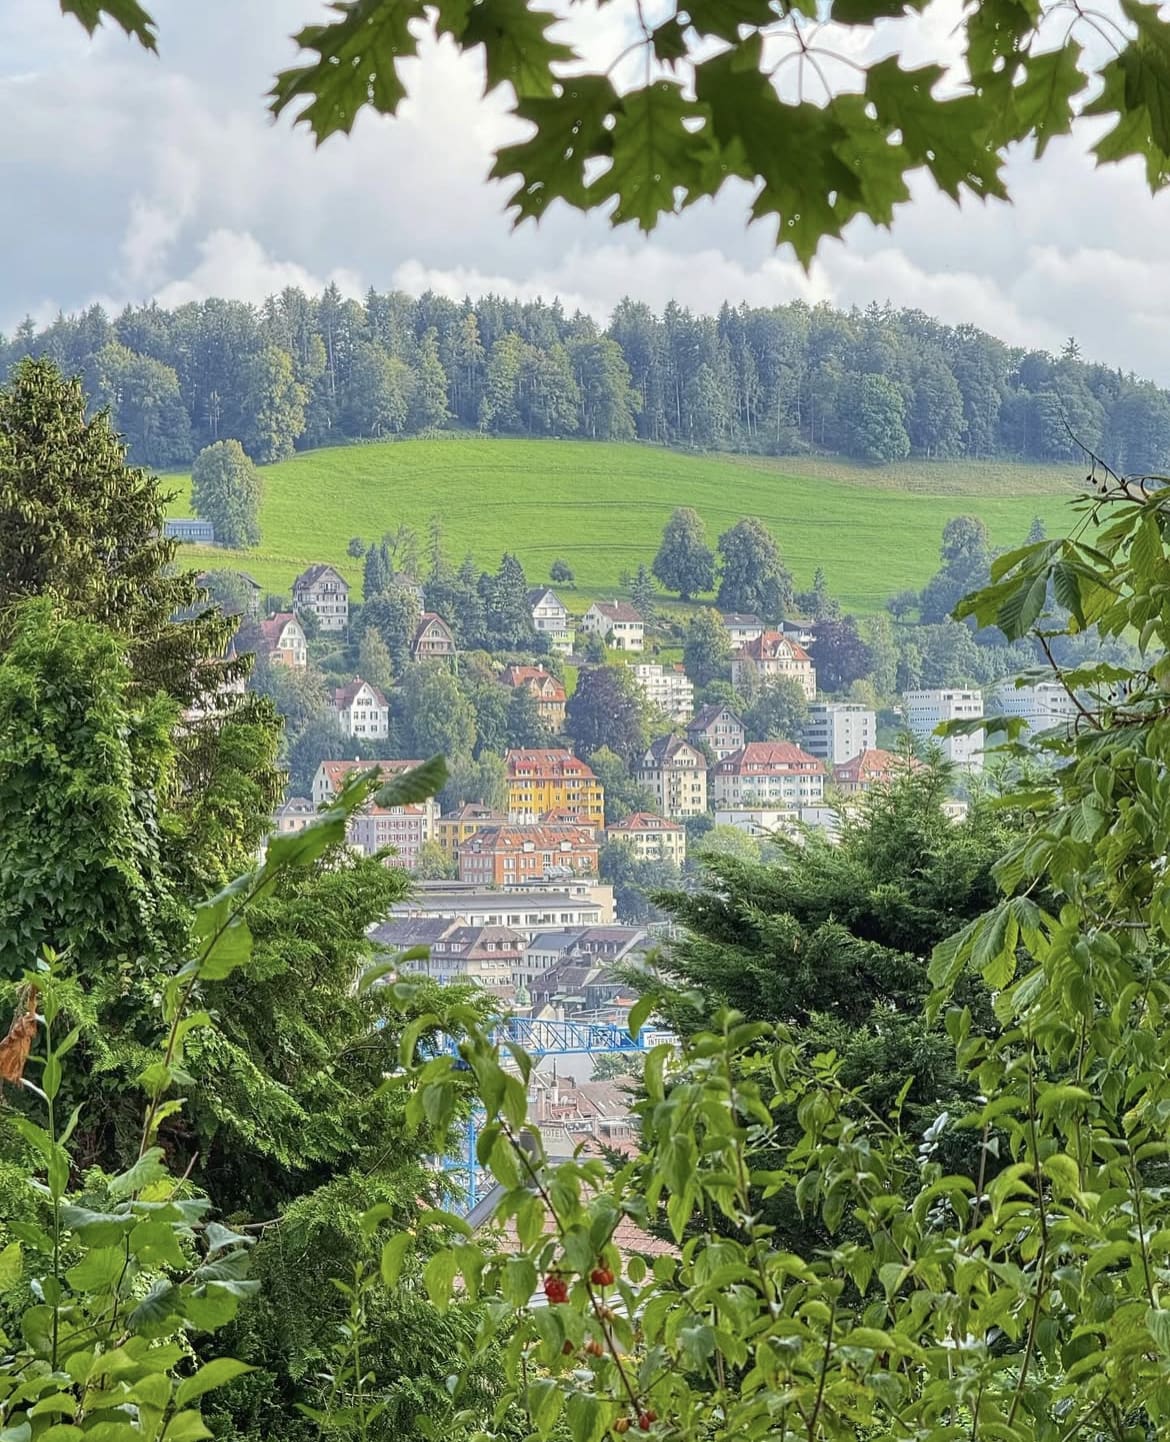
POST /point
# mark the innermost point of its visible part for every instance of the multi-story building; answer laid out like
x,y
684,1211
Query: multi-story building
x,y
718,728
459,949
551,619
405,828
925,710
650,837
669,688
331,776
282,641
325,592
772,657
294,815
1044,705
547,691
453,829
872,767
837,730
742,629
535,910
774,774
543,780
513,855
361,710
433,639
617,623
676,772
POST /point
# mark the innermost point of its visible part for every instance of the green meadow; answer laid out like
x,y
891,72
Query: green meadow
x,y
602,508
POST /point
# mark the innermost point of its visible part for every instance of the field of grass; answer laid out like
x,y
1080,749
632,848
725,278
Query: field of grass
x,y
602,507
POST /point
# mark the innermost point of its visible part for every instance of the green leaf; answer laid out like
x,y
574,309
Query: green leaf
x,y
227,951
587,1417
639,1015
98,1229
212,1374
11,1266
439,1277
569,130
98,1270
654,153
1020,607
516,49
186,1427
393,1255
723,18
865,12
134,20
1043,102
994,950
357,65
148,1168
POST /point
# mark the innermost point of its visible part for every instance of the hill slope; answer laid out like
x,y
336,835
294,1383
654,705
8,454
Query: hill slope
x,y
602,507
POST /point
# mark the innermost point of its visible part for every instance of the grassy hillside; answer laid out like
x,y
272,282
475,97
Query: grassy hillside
x,y
602,507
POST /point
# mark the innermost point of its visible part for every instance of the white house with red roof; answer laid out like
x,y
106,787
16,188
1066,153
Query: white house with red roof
x,y
282,640
374,827
773,656
871,767
616,622
361,710
768,774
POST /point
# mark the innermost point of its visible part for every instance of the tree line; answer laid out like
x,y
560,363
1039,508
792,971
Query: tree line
x,y
877,384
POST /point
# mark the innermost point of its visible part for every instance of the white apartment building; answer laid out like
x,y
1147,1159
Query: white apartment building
x,y
361,710
924,711
669,688
772,775
839,730
1044,705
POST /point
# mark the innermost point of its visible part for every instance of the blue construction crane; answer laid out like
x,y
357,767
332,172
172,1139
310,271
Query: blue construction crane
x,y
540,1039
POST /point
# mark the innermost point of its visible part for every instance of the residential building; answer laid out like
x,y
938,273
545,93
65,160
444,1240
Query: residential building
x,y
762,822
325,592
331,776
253,591
199,533
459,950
404,581
361,710
872,767
578,987
548,692
282,641
1043,705
617,623
513,855
742,629
676,772
925,710
652,838
669,688
774,774
544,951
294,815
405,828
547,779
837,730
718,728
453,829
433,639
771,657
533,910
551,619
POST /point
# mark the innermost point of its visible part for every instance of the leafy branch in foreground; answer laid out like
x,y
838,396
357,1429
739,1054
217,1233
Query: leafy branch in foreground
x,y
821,137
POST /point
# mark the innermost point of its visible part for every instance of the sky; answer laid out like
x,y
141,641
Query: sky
x,y
128,177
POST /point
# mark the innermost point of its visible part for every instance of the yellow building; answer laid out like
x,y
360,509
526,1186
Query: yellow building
x,y
453,830
652,838
551,783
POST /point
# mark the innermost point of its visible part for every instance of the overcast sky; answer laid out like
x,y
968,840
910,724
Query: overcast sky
x,y
126,177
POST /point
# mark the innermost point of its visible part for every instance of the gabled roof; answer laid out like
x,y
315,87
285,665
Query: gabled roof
x,y
342,697
514,836
663,749
771,644
737,618
774,755
873,764
536,595
431,618
336,772
273,628
618,611
707,716
645,823
312,574
473,811
534,676
547,762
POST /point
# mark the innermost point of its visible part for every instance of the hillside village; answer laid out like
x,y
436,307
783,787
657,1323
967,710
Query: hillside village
x,y
594,760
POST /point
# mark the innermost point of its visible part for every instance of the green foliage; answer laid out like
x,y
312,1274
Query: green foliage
x,y
636,881
685,563
623,794
608,710
275,406
431,712
752,576
778,711
226,490
561,573
393,615
877,422
707,649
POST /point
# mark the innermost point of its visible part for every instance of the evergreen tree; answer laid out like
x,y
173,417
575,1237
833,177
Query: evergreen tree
x,y
274,406
707,648
685,563
374,663
642,593
507,621
432,716
875,419
428,402
524,725
778,712
394,615
225,490
376,571
753,578
560,573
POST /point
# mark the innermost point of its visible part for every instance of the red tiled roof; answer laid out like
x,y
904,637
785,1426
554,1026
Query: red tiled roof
x,y
513,837
645,821
618,611
777,755
337,771
872,764
770,645
546,762
274,625
550,688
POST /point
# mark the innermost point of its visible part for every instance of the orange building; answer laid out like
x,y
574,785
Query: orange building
x,y
507,855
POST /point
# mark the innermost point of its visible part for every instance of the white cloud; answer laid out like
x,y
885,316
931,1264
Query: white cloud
x,y
236,266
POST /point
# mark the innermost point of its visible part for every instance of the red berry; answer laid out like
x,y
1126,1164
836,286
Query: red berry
x,y
555,1289
647,1419
567,1348
601,1277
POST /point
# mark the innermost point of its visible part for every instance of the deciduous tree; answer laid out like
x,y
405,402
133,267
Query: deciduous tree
x,y
226,490
753,578
685,563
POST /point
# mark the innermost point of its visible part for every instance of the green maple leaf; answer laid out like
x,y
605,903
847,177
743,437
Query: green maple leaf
x,y
357,64
670,41
949,136
865,12
1043,102
723,18
791,148
570,130
1133,134
995,32
136,22
516,46
654,154
879,166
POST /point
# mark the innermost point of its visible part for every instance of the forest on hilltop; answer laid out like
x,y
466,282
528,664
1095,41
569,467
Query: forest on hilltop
x,y
877,385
